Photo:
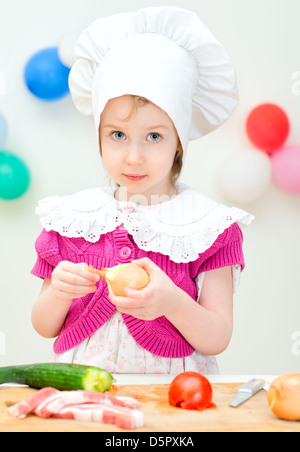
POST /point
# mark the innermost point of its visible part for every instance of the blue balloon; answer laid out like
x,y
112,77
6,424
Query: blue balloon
x,y
45,75
14,176
3,130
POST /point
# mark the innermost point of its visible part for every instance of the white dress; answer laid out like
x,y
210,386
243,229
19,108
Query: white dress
x,y
178,228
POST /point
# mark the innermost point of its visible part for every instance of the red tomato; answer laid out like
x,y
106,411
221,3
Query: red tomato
x,y
191,391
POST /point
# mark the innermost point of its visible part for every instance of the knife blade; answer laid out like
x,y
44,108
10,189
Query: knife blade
x,y
247,391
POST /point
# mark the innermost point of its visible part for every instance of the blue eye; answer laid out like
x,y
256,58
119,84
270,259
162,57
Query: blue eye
x,y
119,136
153,137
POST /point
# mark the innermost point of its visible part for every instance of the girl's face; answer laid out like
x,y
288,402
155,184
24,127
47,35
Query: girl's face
x,y
138,147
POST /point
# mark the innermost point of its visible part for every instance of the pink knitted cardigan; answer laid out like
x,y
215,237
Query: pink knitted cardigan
x,y
88,314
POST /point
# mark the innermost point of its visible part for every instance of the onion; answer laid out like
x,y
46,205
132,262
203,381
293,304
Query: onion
x,y
124,275
284,397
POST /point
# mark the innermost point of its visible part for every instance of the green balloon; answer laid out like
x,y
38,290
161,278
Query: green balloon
x,y
14,176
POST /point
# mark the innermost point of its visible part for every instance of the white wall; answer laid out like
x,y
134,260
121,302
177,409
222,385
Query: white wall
x,y
60,148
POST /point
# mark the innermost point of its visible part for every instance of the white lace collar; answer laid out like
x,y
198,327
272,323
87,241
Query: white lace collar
x,y
181,228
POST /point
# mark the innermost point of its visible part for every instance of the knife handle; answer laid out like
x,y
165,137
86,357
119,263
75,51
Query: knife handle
x,y
252,386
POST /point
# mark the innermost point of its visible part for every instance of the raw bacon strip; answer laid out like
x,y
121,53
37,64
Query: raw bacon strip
x,y
42,409
129,402
82,405
29,405
128,419
86,412
125,418
65,398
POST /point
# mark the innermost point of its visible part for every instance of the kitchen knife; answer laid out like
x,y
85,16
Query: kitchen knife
x,y
246,391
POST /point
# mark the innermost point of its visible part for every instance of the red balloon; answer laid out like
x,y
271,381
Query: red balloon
x,y
268,127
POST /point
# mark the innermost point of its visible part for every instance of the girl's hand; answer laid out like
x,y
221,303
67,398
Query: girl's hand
x,y
153,301
71,280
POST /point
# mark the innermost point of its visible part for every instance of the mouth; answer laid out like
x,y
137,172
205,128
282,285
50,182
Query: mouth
x,y
135,177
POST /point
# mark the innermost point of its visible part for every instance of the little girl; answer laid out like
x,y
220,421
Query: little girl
x,y
152,80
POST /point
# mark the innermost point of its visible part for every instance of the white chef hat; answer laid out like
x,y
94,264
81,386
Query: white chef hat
x,y
164,54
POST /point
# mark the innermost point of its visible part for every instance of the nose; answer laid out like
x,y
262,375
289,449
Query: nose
x,y
134,155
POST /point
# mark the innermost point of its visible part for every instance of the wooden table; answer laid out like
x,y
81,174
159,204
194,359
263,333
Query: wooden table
x,y
252,416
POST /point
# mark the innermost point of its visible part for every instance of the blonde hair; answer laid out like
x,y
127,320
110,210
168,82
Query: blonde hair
x,y
139,101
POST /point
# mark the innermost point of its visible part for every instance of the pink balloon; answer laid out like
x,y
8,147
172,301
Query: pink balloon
x,y
286,168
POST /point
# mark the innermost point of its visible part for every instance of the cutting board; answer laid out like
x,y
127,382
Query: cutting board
x,y
253,416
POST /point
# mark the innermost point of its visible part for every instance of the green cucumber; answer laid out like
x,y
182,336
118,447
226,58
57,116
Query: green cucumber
x,y
65,377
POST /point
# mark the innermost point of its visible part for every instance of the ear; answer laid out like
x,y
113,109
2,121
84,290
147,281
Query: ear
x,y
179,146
